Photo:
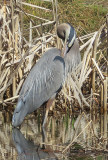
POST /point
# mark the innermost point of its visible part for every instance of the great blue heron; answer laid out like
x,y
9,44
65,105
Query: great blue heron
x,y
47,76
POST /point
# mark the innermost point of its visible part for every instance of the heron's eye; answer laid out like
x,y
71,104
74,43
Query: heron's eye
x,y
16,112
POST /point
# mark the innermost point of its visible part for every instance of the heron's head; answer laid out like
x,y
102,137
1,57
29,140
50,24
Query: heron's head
x,y
67,33
19,113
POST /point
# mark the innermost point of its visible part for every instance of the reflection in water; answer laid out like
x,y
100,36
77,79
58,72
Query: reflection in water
x,y
27,150
88,138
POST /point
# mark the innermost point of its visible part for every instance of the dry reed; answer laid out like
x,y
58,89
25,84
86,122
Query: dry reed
x,y
17,56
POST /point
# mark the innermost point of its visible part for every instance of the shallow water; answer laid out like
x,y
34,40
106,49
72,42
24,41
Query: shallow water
x,y
75,137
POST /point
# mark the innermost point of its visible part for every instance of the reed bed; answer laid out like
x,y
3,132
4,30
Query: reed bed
x,y
18,54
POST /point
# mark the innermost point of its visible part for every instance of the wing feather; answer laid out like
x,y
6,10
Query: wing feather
x,y
45,78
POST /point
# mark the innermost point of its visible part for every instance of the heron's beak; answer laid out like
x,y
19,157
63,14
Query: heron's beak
x,y
65,49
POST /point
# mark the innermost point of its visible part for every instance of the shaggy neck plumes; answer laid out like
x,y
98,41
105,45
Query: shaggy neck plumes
x,y
72,58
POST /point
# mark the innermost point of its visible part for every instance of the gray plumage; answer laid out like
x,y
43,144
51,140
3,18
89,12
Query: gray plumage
x,y
73,58
44,79
48,75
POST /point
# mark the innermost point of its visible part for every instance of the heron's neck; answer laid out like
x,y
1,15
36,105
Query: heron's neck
x,y
72,58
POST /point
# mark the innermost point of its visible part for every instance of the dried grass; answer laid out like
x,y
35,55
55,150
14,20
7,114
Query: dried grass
x,y
18,54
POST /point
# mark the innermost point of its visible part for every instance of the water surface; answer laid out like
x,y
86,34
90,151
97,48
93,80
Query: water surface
x,y
66,137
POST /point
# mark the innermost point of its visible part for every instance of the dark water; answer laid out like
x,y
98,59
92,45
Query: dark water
x,y
76,137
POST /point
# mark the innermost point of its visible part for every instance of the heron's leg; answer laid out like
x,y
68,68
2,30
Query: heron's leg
x,y
44,111
48,105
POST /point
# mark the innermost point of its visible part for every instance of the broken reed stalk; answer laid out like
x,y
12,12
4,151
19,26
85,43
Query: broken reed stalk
x,y
35,6
28,14
107,31
102,96
40,25
76,138
95,45
76,128
85,56
105,131
85,44
105,112
0,51
105,95
53,10
30,35
87,36
98,69
21,17
12,98
13,45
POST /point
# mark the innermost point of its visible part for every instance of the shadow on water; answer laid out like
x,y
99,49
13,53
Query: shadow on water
x,y
67,137
27,150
